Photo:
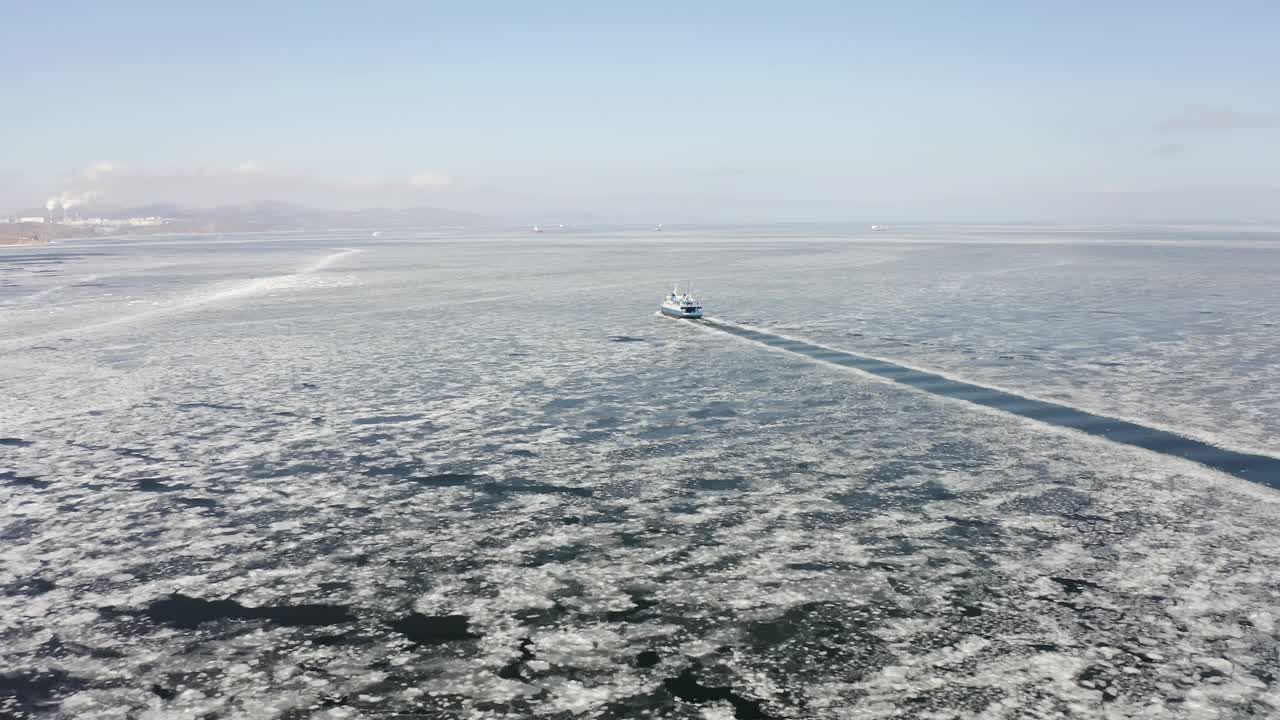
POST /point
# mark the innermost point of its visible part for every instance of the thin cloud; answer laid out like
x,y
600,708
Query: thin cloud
x,y
1169,150
113,183
1202,118
99,170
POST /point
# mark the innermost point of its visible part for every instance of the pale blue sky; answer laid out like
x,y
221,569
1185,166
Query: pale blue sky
x,y
710,110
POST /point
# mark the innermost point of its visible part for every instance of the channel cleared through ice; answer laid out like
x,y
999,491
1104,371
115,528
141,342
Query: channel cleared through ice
x,y
1262,469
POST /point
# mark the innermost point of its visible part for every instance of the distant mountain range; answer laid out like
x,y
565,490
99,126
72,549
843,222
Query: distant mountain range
x,y
277,216
280,216
231,218
256,217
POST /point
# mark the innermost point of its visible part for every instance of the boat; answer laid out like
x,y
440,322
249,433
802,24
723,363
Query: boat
x,y
537,228
681,305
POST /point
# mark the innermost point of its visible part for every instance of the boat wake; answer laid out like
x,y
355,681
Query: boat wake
x,y
1258,468
210,296
327,260
259,286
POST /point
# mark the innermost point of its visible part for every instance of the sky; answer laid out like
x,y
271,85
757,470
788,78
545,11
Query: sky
x,y
657,111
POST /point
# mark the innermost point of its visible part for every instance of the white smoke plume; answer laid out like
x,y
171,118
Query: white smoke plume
x,y
120,184
70,199
111,186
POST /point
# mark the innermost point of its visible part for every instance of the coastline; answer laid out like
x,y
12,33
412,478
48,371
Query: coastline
x,y
22,241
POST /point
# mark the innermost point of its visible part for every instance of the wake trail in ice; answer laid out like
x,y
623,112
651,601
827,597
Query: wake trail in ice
x,y
222,295
1258,468
258,286
327,260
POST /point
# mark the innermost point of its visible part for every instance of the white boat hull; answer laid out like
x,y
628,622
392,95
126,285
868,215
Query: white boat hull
x,y
681,313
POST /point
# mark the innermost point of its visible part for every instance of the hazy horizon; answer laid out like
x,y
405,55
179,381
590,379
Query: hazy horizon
x,y
723,113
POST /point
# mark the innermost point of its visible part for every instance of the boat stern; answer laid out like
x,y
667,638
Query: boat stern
x,y
678,312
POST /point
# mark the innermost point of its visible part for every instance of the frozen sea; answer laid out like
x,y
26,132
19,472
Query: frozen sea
x,y
471,474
